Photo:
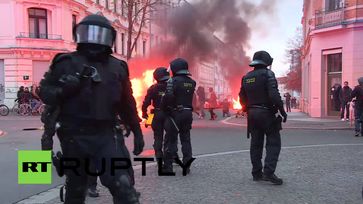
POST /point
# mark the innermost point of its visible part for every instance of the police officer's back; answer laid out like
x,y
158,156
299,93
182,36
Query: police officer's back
x,y
259,94
178,102
154,95
92,89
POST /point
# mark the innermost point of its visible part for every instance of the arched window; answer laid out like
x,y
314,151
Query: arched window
x,y
38,23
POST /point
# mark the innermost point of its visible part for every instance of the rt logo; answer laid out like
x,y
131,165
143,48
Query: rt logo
x,y
34,167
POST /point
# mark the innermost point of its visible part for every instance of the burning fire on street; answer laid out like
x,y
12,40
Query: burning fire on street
x,y
236,105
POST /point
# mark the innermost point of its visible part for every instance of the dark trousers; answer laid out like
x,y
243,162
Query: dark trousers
x,y
345,108
358,119
288,107
212,114
158,128
262,122
95,146
183,119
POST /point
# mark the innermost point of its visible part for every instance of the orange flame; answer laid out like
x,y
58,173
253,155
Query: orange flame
x,y
140,86
236,104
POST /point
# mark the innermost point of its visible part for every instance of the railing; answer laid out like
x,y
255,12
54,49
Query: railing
x,y
40,36
325,19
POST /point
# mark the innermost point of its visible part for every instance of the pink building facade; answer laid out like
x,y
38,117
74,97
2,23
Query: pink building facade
x,y
33,31
332,52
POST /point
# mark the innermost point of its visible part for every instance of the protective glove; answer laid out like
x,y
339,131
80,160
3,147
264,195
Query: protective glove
x,y
144,115
138,142
284,115
47,142
71,85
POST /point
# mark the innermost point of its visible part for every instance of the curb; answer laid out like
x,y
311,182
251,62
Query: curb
x,y
226,121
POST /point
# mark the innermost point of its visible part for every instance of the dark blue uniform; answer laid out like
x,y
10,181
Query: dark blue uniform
x,y
154,96
88,117
259,92
179,105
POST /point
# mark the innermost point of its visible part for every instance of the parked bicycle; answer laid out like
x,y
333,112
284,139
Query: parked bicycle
x,y
4,110
27,109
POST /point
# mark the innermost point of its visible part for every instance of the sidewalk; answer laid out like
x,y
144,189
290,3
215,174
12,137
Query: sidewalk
x,y
226,178
299,120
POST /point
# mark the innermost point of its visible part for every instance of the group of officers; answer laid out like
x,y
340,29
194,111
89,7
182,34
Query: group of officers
x,y
88,92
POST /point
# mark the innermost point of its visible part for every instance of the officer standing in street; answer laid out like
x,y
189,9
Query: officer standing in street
x,y
260,95
154,96
92,89
178,104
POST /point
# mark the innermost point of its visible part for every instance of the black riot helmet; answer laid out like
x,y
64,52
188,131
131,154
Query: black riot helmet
x,y
161,74
261,58
94,29
179,66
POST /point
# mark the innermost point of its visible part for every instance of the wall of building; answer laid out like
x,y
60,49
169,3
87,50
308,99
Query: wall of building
x,y
23,55
344,36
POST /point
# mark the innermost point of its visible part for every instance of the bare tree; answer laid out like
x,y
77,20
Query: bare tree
x,y
138,13
293,54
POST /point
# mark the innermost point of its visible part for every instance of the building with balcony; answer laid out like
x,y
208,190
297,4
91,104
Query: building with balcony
x,y
332,52
33,31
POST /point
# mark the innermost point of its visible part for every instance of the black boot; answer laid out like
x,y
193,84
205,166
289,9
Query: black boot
x,y
273,179
257,177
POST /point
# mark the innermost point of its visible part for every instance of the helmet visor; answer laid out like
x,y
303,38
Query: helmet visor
x,y
94,34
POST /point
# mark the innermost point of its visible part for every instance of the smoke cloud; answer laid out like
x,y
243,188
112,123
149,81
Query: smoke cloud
x,y
213,31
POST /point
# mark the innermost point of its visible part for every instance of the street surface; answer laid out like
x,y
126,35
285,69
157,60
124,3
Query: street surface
x,y
321,162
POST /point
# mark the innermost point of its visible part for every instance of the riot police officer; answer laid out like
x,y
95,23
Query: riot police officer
x,y
92,89
154,96
259,94
178,103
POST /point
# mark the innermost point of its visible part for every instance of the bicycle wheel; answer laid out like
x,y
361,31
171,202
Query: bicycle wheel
x,y
4,110
25,109
41,109
15,109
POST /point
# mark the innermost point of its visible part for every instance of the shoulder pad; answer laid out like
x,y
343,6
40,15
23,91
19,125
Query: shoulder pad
x,y
59,57
125,67
270,74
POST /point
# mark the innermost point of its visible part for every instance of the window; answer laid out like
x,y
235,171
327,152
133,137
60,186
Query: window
x,y
331,5
334,62
122,43
144,48
37,23
74,20
74,23
106,4
115,6
115,45
123,7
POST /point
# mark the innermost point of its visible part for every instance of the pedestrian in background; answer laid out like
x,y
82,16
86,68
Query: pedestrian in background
x,y
19,94
293,102
226,104
212,101
26,96
357,93
345,99
288,101
201,98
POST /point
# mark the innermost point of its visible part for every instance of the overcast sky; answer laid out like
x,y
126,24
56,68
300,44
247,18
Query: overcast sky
x,y
284,23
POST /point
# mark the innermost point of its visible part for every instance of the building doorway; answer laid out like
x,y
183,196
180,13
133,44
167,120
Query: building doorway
x,y
2,81
334,83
